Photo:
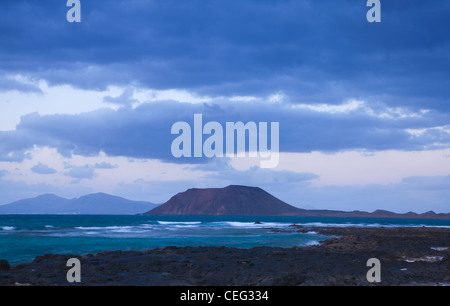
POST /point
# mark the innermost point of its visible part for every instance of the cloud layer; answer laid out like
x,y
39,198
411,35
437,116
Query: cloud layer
x,y
145,131
313,51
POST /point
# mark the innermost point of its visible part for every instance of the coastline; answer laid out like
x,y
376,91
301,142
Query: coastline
x,y
408,255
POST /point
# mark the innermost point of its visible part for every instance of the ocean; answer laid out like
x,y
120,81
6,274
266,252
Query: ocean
x,y
23,237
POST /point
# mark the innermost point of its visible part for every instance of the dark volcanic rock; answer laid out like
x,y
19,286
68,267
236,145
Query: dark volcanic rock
x,y
253,201
230,201
4,265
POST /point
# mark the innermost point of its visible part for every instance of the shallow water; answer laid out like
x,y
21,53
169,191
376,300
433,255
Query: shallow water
x,y
23,237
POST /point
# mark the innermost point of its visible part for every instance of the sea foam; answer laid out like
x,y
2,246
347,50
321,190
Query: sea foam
x,y
253,224
178,223
7,228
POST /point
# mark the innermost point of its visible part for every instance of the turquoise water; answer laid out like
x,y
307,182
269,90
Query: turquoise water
x,y
23,237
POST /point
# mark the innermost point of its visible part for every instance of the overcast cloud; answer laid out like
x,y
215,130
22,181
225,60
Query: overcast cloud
x,y
113,85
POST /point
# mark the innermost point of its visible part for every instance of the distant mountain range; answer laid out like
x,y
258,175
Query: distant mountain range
x,y
97,204
253,201
229,201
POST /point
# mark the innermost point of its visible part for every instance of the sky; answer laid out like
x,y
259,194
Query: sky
x,y
363,107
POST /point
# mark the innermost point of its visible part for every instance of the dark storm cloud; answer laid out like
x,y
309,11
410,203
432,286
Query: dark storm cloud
x,y
313,51
125,99
8,84
145,131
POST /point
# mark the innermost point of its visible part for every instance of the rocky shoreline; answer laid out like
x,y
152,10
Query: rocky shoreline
x,y
408,256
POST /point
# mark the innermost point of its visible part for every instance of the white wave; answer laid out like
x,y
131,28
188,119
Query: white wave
x,y
322,224
89,227
49,226
257,225
122,230
139,231
178,222
146,226
425,259
439,248
185,226
7,228
312,242
113,228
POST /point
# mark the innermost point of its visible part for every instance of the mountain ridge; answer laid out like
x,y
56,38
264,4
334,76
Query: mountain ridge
x,y
213,201
94,203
